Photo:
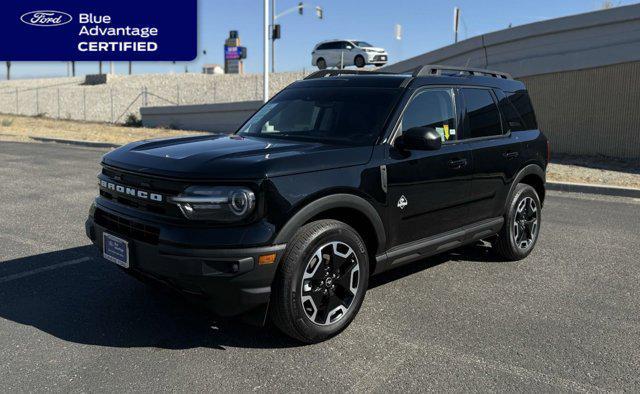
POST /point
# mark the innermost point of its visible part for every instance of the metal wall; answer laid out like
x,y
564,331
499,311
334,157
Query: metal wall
x,y
590,112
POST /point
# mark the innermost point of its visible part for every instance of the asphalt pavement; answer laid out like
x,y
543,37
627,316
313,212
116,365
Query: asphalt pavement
x,y
564,319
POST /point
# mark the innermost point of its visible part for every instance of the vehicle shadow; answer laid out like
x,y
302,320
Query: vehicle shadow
x,y
476,253
95,303
78,297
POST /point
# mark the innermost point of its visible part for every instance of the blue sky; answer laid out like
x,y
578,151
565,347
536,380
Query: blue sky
x,y
426,25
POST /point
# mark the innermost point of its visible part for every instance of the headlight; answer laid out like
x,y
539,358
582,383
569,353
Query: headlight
x,y
217,203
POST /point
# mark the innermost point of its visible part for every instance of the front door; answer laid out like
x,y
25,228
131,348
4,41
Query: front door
x,y
428,191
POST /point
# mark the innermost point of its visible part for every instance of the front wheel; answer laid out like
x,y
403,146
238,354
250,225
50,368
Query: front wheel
x,y
321,63
520,231
321,282
359,61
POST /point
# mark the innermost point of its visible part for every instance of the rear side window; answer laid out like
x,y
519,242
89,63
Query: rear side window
x,y
322,47
333,45
510,116
482,116
522,103
433,108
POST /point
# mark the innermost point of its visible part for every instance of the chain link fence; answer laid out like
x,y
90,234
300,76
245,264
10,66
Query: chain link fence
x,y
123,95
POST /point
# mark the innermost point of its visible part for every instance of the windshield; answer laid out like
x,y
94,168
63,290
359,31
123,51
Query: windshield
x,y
349,116
362,44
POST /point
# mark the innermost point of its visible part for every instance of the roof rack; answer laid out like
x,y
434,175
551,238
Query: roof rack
x,y
437,69
333,73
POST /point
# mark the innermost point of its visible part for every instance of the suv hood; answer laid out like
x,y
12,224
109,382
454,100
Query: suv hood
x,y
232,157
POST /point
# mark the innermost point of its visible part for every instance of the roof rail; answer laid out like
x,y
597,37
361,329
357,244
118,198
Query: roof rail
x,y
437,69
333,73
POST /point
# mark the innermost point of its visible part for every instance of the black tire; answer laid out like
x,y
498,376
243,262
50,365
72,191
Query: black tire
x,y
518,226
359,61
290,313
321,63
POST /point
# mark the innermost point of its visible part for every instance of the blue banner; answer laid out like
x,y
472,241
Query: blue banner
x,y
117,30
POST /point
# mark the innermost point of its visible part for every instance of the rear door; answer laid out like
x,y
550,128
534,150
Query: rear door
x,y
332,53
495,150
428,191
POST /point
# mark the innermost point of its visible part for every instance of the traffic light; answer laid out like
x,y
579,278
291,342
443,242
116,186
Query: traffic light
x,y
275,34
300,8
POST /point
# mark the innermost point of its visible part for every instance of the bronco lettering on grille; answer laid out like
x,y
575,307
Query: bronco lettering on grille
x,y
130,191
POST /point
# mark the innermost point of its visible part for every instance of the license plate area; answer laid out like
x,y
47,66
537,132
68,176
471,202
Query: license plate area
x,y
115,250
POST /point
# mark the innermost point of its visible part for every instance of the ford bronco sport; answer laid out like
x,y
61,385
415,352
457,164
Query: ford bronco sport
x,y
340,176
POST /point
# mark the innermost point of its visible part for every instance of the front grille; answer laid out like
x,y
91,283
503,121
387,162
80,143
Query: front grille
x,y
127,228
138,181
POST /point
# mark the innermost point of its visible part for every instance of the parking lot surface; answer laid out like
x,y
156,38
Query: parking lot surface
x,y
564,319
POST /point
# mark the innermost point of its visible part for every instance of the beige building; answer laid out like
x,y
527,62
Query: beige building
x,y
212,69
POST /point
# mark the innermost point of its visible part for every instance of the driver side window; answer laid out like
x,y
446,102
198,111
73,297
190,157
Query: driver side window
x,y
433,108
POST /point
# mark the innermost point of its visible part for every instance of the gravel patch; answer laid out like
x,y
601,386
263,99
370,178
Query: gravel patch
x,y
21,128
594,170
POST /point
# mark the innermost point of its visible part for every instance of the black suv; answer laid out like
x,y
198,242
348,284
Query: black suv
x,y
340,176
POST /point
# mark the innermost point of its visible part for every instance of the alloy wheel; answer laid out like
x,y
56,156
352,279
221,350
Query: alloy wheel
x,y
525,223
330,283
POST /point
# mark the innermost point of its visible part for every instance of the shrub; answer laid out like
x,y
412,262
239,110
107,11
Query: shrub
x,y
133,121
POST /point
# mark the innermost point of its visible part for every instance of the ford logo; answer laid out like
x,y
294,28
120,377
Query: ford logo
x,y
46,18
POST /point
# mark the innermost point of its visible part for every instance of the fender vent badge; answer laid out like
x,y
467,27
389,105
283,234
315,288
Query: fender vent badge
x,y
402,202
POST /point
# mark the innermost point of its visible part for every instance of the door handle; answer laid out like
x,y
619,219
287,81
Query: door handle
x,y
510,155
457,163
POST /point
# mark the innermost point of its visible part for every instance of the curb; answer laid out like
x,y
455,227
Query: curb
x,y
594,189
91,144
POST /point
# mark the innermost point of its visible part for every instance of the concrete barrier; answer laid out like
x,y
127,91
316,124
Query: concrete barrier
x,y
218,118
575,42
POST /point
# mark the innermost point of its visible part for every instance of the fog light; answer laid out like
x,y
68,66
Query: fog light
x,y
267,259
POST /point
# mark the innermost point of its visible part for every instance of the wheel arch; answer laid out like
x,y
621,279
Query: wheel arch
x,y
532,175
348,208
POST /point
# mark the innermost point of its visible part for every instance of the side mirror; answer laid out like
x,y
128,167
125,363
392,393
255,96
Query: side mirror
x,y
349,47
419,138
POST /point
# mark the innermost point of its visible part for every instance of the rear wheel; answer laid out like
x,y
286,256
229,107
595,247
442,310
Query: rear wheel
x,y
520,231
321,63
359,61
322,281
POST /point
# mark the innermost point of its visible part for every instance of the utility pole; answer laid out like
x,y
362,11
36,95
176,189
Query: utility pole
x,y
100,67
73,68
273,36
456,18
265,65
112,68
8,70
130,67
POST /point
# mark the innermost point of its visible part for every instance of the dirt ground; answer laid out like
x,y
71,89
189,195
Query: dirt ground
x,y
577,169
20,128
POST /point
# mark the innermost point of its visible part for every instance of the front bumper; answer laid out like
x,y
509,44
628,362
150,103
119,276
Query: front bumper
x,y
229,280
377,58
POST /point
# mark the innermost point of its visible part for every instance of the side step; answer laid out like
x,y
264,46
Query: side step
x,y
416,250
